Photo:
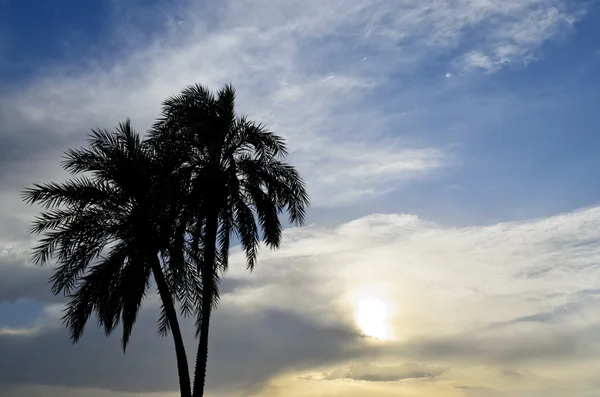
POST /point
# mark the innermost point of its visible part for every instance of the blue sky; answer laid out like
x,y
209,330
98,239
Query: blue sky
x,y
470,118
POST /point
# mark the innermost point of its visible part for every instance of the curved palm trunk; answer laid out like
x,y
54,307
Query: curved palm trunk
x,y
165,295
207,271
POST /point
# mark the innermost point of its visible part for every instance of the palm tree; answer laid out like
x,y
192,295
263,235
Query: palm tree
x,y
238,185
107,229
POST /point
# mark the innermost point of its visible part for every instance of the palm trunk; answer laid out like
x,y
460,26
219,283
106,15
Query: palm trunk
x,y
208,272
202,354
165,295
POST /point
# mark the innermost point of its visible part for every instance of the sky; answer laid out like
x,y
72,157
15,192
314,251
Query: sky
x,y
450,150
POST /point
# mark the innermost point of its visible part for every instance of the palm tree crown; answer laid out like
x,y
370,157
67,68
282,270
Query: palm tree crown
x,y
165,207
238,185
105,228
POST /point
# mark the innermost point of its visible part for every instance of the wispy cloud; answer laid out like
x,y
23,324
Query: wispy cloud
x,y
517,29
302,72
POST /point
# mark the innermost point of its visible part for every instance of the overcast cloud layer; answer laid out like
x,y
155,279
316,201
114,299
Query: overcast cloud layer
x,y
374,98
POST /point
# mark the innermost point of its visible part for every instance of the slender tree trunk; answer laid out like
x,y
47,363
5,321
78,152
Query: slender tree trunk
x,y
208,282
165,295
202,354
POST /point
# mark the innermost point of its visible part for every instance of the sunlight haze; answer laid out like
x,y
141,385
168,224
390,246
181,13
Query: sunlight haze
x,y
372,318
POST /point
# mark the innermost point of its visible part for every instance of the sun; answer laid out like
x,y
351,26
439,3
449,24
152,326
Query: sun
x,y
371,316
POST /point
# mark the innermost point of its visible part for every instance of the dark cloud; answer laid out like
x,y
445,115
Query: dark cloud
x,y
247,348
12,226
26,145
560,313
21,281
230,285
512,348
48,358
250,347
12,390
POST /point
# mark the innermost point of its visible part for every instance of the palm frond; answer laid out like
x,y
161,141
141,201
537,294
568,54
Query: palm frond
x,y
75,193
248,137
134,283
246,231
123,202
164,327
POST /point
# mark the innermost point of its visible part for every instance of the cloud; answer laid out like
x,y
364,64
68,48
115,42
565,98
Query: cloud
x,y
21,281
33,391
521,28
459,298
301,73
384,373
241,338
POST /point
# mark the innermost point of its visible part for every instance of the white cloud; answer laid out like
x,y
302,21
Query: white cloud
x,y
443,281
516,296
352,172
479,60
517,29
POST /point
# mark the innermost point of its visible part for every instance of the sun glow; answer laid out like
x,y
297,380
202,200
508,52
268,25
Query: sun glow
x,y
371,316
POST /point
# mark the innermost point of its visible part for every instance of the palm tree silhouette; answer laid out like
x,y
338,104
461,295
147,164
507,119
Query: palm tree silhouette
x,y
107,229
238,185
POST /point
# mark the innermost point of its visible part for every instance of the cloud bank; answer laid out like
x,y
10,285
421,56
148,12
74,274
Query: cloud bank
x,y
517,298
